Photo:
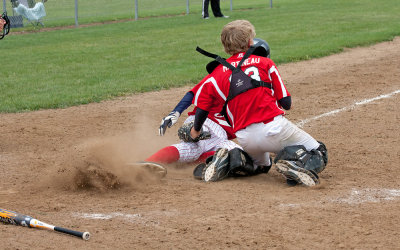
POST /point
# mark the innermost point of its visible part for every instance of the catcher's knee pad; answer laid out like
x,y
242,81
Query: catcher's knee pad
x,y
314,160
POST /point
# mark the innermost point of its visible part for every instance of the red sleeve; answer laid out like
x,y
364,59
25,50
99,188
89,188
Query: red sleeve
x,y
195,88
208,96
278,85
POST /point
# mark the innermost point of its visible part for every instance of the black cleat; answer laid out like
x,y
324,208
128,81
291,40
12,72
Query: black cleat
x,y
217,169
294,173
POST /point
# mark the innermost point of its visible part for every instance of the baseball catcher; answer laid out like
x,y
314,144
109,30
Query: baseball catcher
x,y
216,132
249,91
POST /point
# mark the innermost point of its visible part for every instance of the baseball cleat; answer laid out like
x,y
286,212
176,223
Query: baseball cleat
x,y
151,167
217,168
198,171
294,173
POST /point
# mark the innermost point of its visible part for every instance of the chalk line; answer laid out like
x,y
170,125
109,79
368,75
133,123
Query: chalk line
x,y
355,197
333,112
369,195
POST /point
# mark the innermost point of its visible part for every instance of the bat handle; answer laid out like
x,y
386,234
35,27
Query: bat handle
x,y
83,235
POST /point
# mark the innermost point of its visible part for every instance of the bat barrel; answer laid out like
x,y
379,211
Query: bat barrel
x,y
83,235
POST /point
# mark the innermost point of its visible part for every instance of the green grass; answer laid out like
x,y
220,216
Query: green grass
x,y
62,12
69,67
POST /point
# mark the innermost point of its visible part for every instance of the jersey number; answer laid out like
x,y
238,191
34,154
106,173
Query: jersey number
x,y
253,73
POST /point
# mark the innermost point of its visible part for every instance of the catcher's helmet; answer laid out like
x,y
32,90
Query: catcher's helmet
x,y
262,49
212,65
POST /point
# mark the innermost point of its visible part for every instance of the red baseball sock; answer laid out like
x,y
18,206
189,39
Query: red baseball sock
x,y
166,155
204,156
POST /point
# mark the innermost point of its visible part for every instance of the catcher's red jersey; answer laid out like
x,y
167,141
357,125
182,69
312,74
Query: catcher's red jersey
x,y
214,114
253,106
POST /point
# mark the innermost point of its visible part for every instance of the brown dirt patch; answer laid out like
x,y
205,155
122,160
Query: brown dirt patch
x,y
64,167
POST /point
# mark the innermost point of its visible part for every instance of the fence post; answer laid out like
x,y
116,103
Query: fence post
x,y
270,3
231,5
187,7
76,13
136,10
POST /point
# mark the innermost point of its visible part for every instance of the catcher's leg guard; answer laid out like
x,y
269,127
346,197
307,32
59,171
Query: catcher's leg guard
x,y
314,160
241,164
324,154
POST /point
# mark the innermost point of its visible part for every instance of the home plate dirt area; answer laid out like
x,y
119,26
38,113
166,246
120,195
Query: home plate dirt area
x,y
64,167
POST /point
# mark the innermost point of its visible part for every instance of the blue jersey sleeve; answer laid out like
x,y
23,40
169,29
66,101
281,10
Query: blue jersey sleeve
x,y
185,102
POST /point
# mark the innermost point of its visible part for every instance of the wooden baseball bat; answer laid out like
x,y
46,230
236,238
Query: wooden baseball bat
x,y
14,218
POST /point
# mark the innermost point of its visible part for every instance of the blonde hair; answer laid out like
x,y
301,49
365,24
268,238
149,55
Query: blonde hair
x,y
235,36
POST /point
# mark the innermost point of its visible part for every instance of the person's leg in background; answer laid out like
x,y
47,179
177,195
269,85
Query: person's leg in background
x,y
216,9
204,11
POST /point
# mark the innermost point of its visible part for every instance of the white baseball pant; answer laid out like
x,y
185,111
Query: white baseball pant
x,y
260,139
189,151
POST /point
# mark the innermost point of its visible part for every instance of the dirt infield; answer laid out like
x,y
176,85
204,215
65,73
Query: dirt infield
x,y
64,167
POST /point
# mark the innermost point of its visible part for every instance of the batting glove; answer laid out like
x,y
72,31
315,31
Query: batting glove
x,y
168,121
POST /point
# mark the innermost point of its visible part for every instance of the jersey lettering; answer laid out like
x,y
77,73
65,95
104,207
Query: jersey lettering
x,y
248,61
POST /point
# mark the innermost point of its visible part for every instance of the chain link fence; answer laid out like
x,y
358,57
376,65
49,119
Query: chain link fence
x,y
53,13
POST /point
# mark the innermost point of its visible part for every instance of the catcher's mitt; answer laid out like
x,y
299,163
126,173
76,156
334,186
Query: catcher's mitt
x,y
184,133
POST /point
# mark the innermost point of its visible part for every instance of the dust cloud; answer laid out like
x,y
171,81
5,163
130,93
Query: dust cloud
x,y
109,163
